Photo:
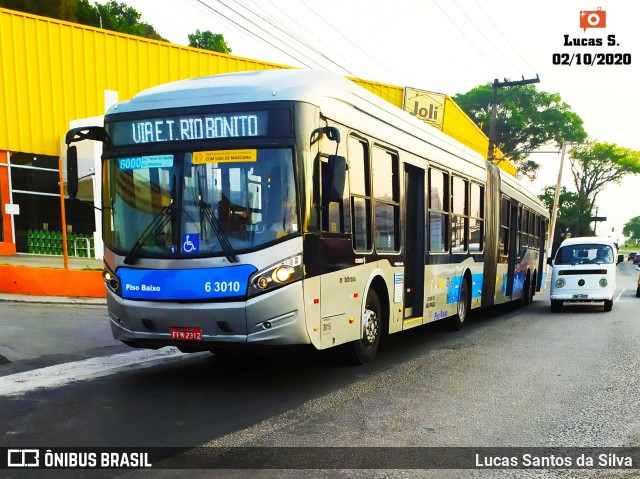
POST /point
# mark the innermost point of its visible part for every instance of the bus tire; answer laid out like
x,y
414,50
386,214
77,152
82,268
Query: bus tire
x,y
608,305
365,348
457,322
527,291
556,306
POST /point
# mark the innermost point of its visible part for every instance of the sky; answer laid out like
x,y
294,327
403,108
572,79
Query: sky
x,y
451,46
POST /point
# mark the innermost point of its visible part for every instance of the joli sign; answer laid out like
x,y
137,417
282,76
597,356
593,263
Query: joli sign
x,y
427,106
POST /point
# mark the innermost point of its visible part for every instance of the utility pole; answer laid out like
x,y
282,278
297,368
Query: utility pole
x,y
494,109
556,198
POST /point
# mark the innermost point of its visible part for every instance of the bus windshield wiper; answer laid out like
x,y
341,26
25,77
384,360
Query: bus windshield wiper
x,y
207,212
157,225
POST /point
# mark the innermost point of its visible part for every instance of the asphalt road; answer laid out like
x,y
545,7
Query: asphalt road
x,y
514,377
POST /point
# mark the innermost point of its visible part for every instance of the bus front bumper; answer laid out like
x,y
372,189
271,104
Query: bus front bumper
x,y
273,318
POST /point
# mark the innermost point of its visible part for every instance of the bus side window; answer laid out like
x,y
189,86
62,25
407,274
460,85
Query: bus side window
x,y
386,190
476,220
438,223
360,187
460,210
505,223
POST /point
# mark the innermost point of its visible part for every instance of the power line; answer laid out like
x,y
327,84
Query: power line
x,y
466,37
484,36
503,36
293,36
245,18
206,11
302,2
251,32
301,40
278,26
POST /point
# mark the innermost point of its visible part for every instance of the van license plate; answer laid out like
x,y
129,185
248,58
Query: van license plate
x,y
186,334
580,296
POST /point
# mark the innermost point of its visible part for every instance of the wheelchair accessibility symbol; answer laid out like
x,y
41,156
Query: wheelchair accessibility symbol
x,y
191,243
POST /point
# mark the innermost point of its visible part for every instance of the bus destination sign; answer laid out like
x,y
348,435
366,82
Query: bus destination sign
x,y
188,128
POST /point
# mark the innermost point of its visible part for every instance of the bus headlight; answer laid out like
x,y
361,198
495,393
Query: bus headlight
x,y
604,282
282,274
560,282
279,274
111,280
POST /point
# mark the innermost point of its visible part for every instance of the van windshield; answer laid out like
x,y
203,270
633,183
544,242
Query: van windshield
x,y
585,254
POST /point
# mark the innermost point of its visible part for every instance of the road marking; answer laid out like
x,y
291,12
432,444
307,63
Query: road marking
x,y
62,374
620,294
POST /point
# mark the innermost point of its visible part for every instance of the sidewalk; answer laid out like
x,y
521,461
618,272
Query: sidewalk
x,y
47,261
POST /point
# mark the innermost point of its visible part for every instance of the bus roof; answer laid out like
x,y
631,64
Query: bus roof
x,y
316,87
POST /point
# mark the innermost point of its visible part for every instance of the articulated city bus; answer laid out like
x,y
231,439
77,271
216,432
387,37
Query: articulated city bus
x,y
294,207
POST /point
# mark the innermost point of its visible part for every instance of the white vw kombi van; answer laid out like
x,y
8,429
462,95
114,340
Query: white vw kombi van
x,y
584,270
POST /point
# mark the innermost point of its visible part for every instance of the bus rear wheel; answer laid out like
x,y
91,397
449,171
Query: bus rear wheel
x,y
608,305
528,291
365,349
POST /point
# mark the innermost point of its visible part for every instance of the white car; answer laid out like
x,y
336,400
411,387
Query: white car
x,y
584,270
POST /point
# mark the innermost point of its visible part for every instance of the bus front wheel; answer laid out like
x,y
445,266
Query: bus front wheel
x,y
364,349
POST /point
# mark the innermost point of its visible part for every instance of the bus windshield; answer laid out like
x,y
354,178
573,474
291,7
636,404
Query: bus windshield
x,y
203,203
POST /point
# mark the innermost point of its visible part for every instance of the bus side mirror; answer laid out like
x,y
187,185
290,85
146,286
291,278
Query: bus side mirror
x,y
550,261
72,171
620,258
333,184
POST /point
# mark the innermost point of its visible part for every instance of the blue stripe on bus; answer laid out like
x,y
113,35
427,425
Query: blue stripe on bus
x,y
185,284
518,282
456,281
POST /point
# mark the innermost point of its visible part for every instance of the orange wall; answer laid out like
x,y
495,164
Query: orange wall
x,y
51,282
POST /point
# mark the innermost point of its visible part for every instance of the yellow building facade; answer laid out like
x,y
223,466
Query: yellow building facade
x,y
53,72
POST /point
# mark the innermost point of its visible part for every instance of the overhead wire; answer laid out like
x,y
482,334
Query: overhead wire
x,y
278,26
257,24
465,36
281,40
483,35
321,53
209,7
503,36
302,2
286,31
237,28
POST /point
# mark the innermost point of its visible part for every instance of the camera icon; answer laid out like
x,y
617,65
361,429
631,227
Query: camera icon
x,y
593,19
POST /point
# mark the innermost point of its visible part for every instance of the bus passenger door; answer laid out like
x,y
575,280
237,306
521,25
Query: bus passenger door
x,y
514,249
414,245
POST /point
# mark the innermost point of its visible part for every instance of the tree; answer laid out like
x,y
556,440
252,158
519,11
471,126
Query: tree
x,y
209,41
527,119
594,166
631,229
61,9
568,218
115,16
